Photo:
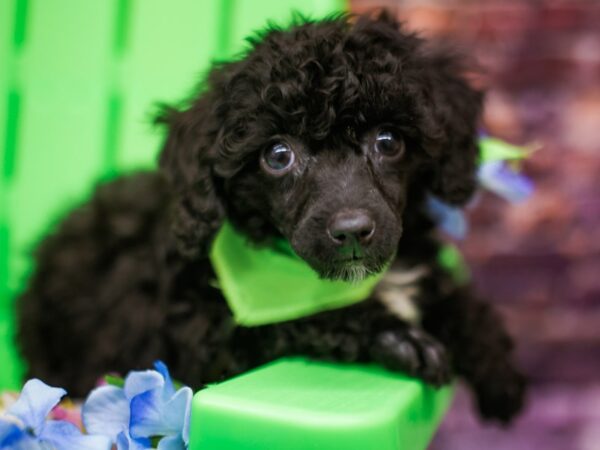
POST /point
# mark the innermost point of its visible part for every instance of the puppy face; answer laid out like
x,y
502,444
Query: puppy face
x,y
339,201
317,135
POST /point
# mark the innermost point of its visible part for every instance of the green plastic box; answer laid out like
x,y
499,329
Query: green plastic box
x,y
297,404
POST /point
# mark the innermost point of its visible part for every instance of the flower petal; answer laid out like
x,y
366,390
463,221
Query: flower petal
x,y
13,438
64,435
146,415
28,443
171,443
185,434
126,442
106,411
161,368
10,433
142,381
36,401
177,412
498,177
449,219
150,416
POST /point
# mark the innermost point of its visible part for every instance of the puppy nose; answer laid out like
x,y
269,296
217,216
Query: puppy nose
x,y
351,227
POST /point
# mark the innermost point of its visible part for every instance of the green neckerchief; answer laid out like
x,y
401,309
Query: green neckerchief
x,y
265,285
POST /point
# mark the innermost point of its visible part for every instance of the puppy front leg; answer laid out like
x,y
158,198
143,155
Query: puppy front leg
x,y
363,333
480,349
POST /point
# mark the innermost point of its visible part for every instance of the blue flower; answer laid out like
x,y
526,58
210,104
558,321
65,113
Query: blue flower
x,y
24,427
147,407
496,176
500,178
449,219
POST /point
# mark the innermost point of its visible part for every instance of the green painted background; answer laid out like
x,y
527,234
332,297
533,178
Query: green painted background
x,y
78,81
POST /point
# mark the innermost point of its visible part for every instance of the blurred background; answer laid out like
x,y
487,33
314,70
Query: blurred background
x,y
539,261
78,80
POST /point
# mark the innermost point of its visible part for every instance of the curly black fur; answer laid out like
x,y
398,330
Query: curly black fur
x,y
125,279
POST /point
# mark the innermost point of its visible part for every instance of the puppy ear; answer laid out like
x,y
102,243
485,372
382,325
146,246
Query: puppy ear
x,y
187,161
453,119
445,107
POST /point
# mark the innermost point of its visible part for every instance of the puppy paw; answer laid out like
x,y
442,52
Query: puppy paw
x,y
502,397
414,352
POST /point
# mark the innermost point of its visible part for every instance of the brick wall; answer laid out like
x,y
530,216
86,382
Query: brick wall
x,y
538,261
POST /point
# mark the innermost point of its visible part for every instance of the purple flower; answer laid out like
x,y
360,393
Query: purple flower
x,y
146,408
24,427
500,178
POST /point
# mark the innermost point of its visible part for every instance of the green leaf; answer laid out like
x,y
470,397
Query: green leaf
x,y
114,380
492,149
450,258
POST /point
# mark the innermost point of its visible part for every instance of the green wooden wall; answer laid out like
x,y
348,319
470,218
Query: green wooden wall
x,y
78,79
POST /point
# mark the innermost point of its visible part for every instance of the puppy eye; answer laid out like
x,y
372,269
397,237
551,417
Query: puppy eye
x,y
278,159
388,144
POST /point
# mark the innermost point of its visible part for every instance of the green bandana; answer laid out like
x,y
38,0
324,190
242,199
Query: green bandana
x,y
266,285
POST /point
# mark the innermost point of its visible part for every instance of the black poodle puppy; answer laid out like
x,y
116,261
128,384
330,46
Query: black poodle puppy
x,y
329,134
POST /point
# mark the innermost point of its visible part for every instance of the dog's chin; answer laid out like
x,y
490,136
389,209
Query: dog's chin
x,y
329,264
352,271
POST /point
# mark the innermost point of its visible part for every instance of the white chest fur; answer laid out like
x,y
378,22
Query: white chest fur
x,y
398,290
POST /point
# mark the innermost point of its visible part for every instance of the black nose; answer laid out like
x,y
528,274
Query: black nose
x,y
351,227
